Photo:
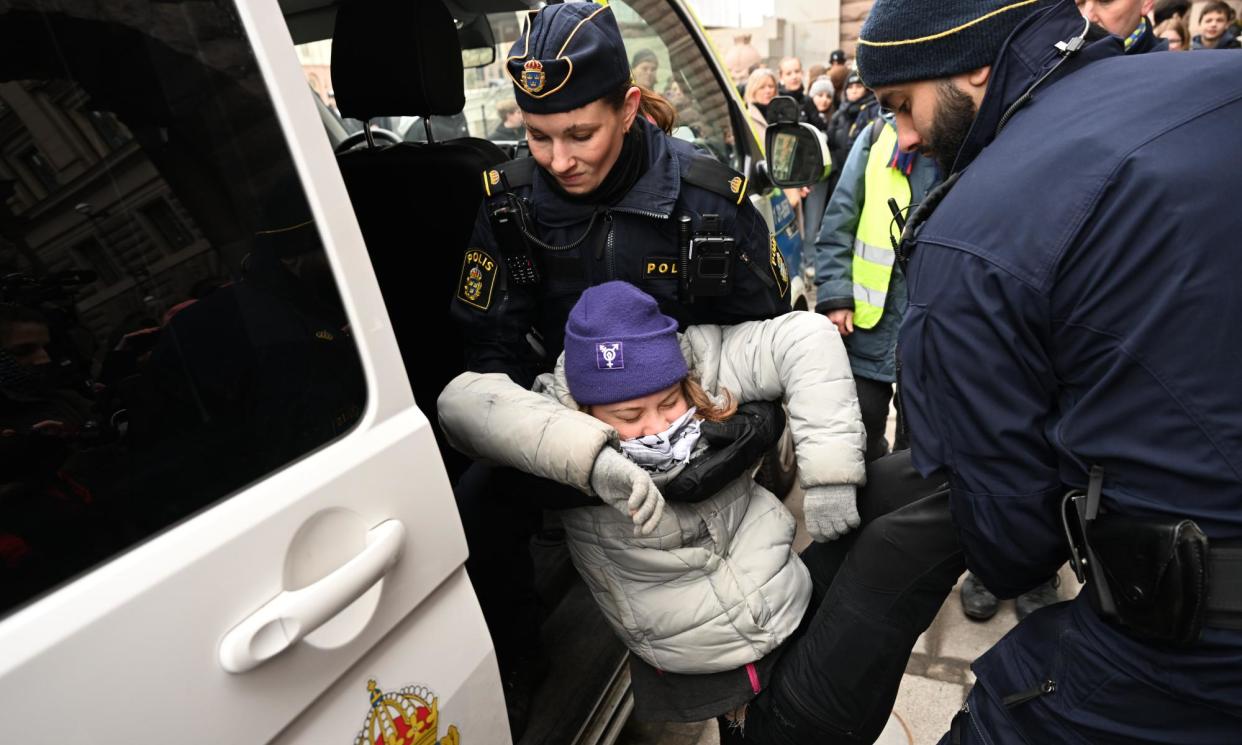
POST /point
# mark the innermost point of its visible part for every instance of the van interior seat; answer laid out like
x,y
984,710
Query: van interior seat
x,y
416,202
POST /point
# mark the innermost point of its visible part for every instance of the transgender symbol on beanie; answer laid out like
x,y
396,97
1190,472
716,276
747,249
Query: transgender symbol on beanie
x,y
619,346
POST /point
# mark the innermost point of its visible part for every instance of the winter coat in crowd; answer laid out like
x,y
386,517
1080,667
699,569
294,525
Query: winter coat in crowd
x,y
1228,40
850,120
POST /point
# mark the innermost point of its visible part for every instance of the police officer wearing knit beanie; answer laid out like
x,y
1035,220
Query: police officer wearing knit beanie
x,y
1058,339
597,200
927,55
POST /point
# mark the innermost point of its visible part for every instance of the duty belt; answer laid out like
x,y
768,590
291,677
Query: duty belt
x,y
1224,604
1154,576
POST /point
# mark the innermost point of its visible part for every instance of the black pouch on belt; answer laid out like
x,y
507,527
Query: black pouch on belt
x,y
1156,569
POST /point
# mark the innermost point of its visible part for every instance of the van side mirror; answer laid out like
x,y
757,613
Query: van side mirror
x,y
783,110
797,154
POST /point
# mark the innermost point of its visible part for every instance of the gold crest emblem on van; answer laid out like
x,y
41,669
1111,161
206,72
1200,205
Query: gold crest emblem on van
x,y
478,279
408,717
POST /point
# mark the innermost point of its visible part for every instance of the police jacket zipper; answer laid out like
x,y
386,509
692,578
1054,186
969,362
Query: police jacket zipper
x,y
1045,688
641,213
609,247
609,244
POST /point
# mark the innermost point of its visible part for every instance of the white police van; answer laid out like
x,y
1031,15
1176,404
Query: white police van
x,y
224,517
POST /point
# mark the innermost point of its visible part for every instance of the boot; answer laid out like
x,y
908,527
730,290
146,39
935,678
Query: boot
x,y
1032,600
978,603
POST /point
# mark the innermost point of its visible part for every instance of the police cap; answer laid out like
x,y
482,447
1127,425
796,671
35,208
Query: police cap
x,y
569,55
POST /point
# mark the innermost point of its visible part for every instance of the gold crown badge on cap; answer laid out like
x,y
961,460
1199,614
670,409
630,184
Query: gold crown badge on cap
x,y
533,76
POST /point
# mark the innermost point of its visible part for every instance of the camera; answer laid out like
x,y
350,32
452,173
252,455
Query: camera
x,y
707,257
710,271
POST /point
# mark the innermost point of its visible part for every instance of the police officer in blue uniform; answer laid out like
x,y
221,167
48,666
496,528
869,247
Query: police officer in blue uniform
x,y
1070,357
605,195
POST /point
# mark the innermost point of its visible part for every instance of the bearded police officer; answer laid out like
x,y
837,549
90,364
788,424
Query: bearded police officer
x,y
605,195
1070,357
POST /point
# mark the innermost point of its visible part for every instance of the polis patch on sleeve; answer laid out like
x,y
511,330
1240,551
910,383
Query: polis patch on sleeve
x,y
776,261
661,267
478,279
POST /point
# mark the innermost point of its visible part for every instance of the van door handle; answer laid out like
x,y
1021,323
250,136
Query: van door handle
x,y
291,615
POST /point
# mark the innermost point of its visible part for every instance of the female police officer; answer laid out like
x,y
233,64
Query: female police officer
x,y
603,196
606,195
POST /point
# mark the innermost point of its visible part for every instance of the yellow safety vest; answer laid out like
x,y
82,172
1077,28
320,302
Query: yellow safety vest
x,y
873,250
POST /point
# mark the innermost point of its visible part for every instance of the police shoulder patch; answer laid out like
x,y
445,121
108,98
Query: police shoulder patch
x,y
478,279
513,174
708,173
776,261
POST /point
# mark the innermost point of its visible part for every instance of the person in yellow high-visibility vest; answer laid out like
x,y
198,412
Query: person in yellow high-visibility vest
x,y
859,286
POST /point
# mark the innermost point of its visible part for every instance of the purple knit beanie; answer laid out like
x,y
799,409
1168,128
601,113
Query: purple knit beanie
x,y
619,346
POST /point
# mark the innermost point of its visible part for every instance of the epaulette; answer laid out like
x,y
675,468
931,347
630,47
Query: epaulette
x,y
708,173
513,174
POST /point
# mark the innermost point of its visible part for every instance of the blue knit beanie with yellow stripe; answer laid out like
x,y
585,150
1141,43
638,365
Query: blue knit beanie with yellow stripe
x,y
908,40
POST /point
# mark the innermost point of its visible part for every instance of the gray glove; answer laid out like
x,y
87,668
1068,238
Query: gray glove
x,y
629,489
830,511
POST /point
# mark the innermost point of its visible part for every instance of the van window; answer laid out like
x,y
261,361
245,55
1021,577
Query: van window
x,y
170,330
651,28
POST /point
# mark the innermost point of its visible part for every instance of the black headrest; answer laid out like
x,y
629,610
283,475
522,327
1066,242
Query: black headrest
x,y
396,58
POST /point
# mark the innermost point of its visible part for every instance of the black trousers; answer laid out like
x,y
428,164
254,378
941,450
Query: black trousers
x,y
885,583
874,397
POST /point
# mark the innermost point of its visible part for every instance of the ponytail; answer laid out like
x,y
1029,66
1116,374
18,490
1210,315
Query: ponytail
x,y
658,110
653,107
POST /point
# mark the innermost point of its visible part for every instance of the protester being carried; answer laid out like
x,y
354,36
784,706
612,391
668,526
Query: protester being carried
x,y
706,591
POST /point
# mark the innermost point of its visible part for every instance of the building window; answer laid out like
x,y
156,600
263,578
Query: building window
x,y
38,167
91,254
169,229
108,128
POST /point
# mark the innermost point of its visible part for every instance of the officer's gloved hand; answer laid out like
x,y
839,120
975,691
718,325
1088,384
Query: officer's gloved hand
x,y
831,511
627,488
735,445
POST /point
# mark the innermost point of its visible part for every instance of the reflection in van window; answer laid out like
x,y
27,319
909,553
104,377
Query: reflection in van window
x,y
671,62
170,330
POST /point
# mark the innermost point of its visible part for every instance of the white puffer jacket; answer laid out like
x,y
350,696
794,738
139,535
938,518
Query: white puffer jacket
x,y
717,584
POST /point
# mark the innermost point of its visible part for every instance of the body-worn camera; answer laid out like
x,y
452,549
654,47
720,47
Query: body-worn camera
x,y
708,258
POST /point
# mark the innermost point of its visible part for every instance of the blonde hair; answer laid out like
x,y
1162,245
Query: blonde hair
x,y
753,82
